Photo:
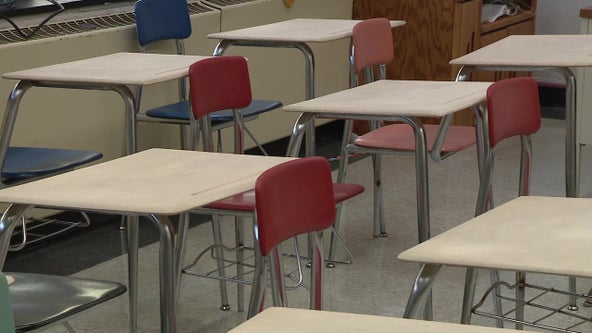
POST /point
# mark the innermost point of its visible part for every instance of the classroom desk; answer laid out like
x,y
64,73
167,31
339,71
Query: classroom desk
x,y
290,320
548,235
113,72
393,100
555,53
295,33
176,181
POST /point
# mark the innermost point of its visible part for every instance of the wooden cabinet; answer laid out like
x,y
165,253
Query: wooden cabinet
x,y
440,30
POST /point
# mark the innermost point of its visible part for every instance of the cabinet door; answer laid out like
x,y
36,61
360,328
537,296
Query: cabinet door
x,y
466,30
465,37
490,38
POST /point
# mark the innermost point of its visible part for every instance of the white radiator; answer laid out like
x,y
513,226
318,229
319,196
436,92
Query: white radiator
x,y
95,120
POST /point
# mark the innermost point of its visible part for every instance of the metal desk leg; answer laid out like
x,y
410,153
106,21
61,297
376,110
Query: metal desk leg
x,y
168,323
8,222
421,291
10,117
130,117
132,253
422,187
298,130
469,295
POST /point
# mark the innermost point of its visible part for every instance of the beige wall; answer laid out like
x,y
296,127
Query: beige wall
x,y
95,120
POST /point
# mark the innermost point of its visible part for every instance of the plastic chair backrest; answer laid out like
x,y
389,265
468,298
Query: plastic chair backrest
x,y
6,315
513,108
219,83
158,20
293,198
372,43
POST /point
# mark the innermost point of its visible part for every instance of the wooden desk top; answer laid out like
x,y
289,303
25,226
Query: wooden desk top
x,y
398,97
159,181
532,234
533,51
302,30
126,68
290,320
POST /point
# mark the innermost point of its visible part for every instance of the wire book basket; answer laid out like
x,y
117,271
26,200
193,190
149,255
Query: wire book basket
x,y
544,308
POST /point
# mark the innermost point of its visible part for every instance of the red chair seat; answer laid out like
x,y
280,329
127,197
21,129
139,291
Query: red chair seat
x,y
401,137
245,202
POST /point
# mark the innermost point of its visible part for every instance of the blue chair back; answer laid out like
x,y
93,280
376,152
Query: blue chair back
x,y
158,20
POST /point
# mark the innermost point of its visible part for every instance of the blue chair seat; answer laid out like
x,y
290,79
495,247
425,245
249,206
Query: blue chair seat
x,y
29,162
181,110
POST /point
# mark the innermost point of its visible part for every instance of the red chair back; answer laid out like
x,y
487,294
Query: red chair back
x,y
373,43
219,83
513,108
293,198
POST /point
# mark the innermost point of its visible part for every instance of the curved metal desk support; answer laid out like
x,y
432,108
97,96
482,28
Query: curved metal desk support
x,y
9,121
420,296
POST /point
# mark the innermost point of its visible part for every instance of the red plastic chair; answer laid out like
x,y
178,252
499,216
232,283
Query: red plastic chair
x,y
513,109
210,81
372,49
293,198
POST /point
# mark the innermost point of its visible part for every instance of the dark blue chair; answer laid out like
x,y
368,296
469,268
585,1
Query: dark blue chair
x,y
160,20
25,164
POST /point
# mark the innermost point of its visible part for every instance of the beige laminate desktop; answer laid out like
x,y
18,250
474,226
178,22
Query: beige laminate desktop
x,y
395,100
555,53
289,320
547,235
295,33
155,183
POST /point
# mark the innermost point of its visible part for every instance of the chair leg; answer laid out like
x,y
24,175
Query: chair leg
x,y
68,327
239,226
257,299
469,295
316,273
180,249
379,224
220,261
484,195
497,302
252,136
520,296
341,175
184,137
278,280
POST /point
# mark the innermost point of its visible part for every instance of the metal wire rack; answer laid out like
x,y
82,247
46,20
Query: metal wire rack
x,y
544,308
199,268
34,230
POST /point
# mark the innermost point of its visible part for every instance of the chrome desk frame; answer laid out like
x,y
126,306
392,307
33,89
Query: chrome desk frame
x,y
571,142
8,123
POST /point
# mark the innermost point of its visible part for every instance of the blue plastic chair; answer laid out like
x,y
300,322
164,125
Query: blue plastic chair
x,y
28,163
160,20
24,164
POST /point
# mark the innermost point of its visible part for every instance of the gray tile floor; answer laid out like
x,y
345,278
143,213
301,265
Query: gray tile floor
x,y
376,282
